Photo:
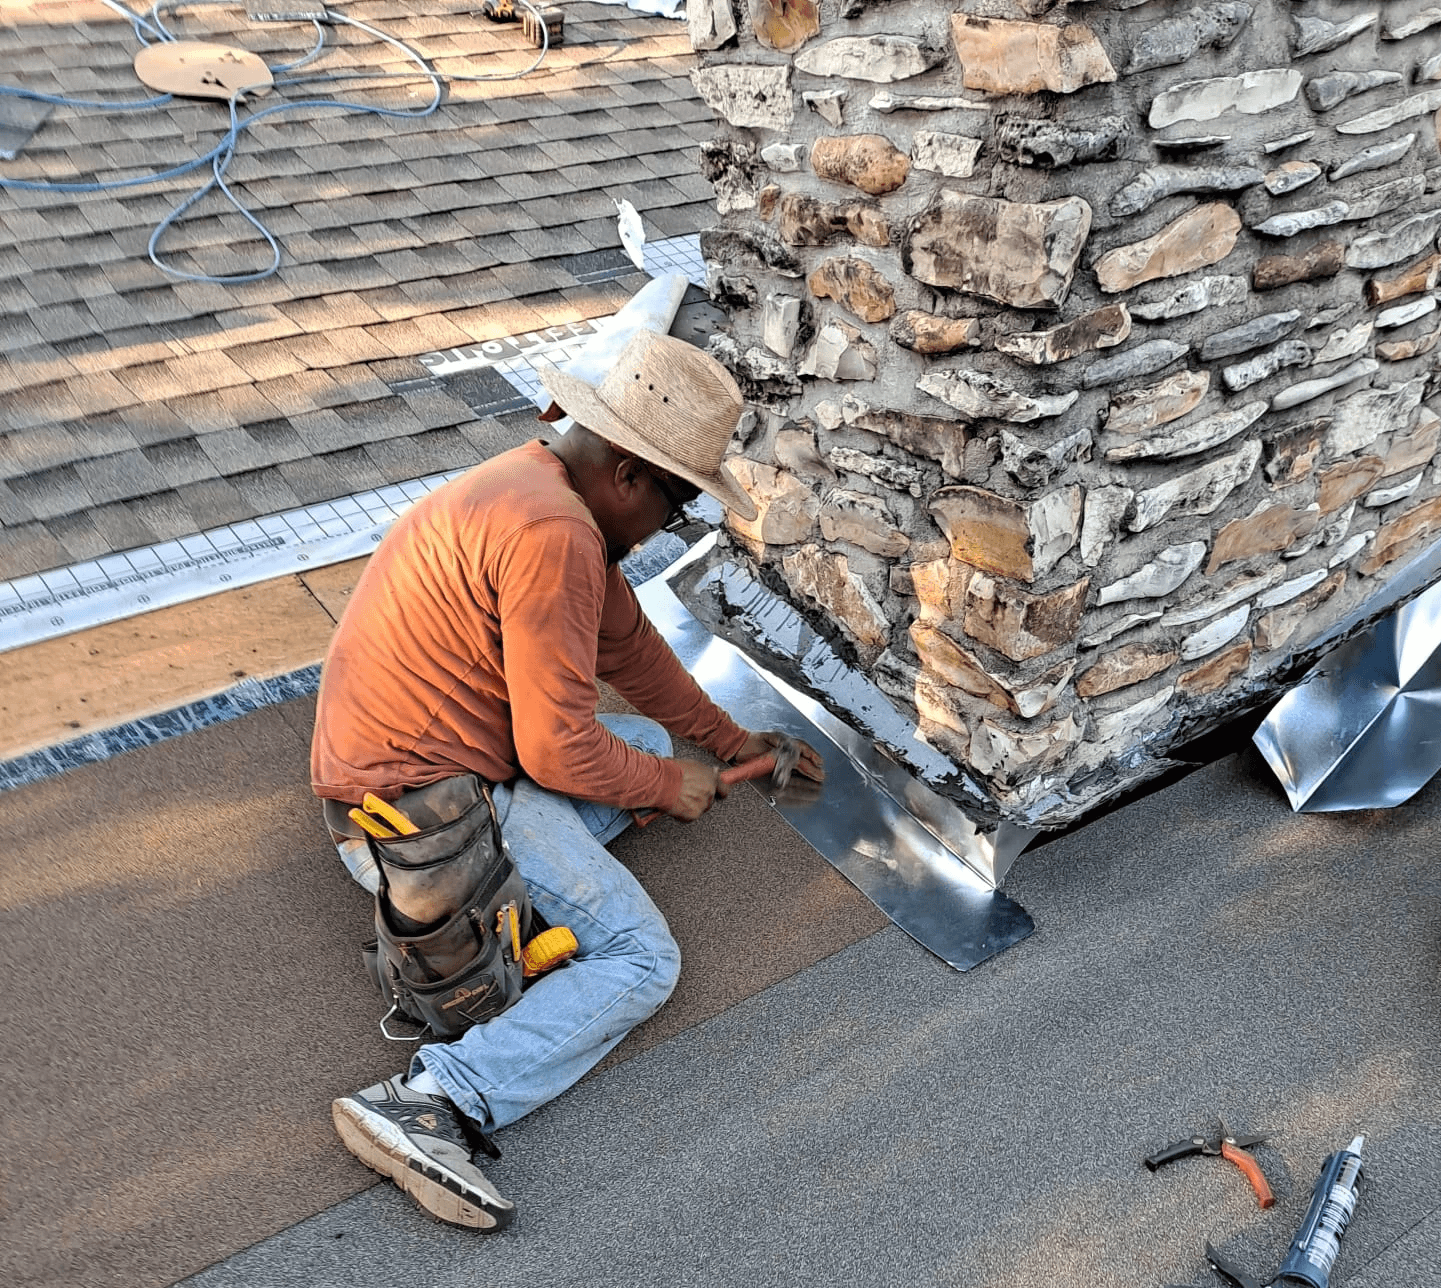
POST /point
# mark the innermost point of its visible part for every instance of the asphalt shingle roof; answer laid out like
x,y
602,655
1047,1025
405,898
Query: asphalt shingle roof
x,y
135,407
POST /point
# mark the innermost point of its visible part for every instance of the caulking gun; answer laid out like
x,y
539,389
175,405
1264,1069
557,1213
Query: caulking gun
x,y
1313,1250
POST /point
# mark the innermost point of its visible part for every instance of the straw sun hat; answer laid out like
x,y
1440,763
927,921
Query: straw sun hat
x,y
666,402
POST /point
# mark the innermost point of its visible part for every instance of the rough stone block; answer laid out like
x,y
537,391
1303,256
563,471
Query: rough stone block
x,y
1402,535
1402,350
856,285
1215,634
896,475
1202,236
940,585
1306,390
1343,483
796,452
1251,334
1016,539
1401,314
940,724
1197,491
784,158
1292,353
1300,221
1173,41
1105,508
747,95
1034,466
808,222
880,59
1194,436
1020,254
1250,93
1267,532
786,508
981,396
933,437
709,23
1049,144
1406,240
1417,23
1100,329
1003,57
826,578
785,25
1208,605
839,352
1385,197
1277,628
1384,496
1204,293
1346,343
961,669
1292,454
1322,260
1138,410
953,155
780,324
957,667
863,520
1140,360
1166,573
1162,181
1021,625
926,333
1424,275
1415,447
869,162
1099,635
1325,92
1010,757
828,104
1126,666
1216,674
1291,176
1360,419
1384,118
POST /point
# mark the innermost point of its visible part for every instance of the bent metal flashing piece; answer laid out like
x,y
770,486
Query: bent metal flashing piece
x,y
858,819
1363,729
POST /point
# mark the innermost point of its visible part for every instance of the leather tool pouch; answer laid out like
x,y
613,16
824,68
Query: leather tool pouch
x,y
449,914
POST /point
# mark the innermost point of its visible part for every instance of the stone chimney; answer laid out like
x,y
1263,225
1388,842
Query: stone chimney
x,y
1090,347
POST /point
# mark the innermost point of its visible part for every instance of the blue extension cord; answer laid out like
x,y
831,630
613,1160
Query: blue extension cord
x,y
219,157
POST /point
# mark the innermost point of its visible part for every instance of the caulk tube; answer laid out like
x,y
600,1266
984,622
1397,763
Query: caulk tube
x,y
1313,1250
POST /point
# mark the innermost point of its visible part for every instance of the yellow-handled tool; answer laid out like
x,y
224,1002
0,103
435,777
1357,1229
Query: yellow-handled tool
x,y
372,804
368,824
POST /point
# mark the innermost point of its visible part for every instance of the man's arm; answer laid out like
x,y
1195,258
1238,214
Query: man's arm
x,y
635,660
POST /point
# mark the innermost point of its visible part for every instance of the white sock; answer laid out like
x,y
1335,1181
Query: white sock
x,y
425,1082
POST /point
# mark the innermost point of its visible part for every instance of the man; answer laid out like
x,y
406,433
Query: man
x,y
472,645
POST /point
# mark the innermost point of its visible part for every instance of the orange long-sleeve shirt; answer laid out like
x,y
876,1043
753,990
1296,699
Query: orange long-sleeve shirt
x,y
473,642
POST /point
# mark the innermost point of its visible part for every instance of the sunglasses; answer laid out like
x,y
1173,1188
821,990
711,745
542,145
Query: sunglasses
x,y
677,492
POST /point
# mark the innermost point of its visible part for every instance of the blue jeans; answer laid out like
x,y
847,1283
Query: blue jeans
x,y
627,965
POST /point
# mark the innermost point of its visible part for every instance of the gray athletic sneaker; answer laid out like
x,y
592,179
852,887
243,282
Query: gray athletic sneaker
x,y
419,1141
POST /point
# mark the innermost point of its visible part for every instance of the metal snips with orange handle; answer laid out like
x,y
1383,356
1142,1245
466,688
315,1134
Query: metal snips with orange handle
x,y
1230,1147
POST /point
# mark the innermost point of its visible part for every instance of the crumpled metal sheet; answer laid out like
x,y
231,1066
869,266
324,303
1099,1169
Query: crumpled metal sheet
x,y
1363,729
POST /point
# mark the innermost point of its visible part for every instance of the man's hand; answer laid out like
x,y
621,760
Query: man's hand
x,y
700,787
757,744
